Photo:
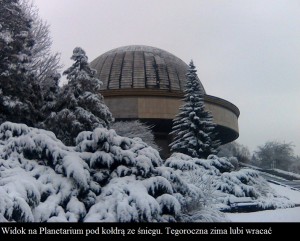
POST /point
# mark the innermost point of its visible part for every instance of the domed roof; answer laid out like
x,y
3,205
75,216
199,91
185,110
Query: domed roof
x,y
140,67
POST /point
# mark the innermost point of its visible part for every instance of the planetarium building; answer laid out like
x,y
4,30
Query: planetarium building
x,y
147,83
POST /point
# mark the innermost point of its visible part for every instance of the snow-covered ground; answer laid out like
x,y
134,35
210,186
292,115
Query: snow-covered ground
x,y
296,176
278,215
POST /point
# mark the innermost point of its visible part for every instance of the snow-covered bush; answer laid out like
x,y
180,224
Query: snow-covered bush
x,y
109,178
221,186
104,178
234,161
198,174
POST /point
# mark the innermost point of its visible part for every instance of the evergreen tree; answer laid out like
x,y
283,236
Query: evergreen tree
x,y
80,105
193,128
50,91
20,97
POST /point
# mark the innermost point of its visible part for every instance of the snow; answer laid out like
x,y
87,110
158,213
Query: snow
x,y
105,178
154,185
293,195
278,215
124,200
110,178
170,203
294,175
6,36
222,184
76,210
77,169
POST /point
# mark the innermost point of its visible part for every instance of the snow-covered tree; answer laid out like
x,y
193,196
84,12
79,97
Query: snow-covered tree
x,y
193,128
80,106
50,89
133,129
20,95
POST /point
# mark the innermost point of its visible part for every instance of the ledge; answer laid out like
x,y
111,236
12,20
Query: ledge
x,y
165,93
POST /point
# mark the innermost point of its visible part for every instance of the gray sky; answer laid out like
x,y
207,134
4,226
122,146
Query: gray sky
x,y
245,51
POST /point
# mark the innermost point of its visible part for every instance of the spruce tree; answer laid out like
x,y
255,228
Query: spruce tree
x,y
20,97
193,128
50,91
80,106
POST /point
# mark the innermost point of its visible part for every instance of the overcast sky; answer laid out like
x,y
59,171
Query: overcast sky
x,y
245,51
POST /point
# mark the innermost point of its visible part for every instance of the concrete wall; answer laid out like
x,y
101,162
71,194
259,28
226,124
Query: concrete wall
x,y
160,107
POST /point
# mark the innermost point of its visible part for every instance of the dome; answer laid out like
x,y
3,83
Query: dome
x,y
147,84
140,67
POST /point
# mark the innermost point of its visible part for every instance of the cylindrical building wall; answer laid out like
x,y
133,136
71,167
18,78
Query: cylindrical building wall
x,y
148,105
147,83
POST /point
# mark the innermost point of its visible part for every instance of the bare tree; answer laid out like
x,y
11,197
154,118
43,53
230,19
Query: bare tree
x,y
44,65
44,62
133,129
234,149
275,154
295,166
